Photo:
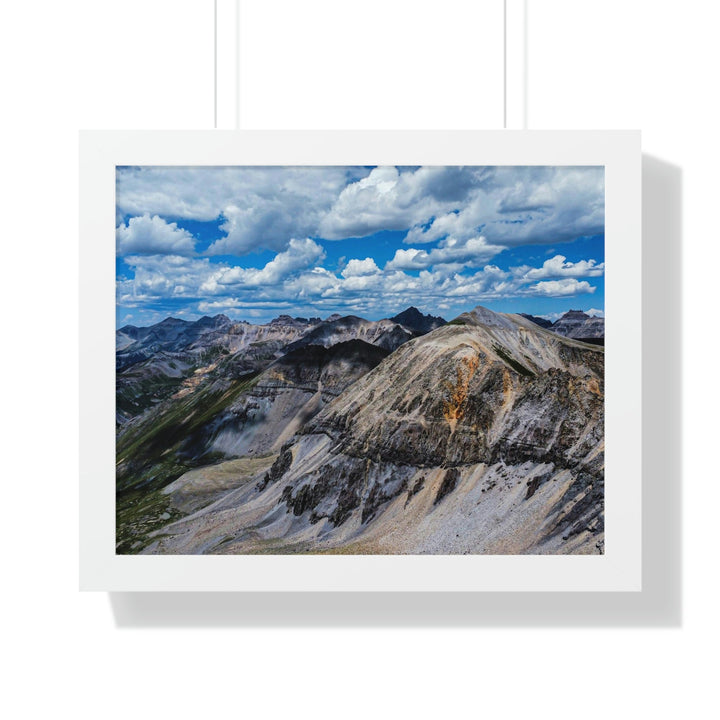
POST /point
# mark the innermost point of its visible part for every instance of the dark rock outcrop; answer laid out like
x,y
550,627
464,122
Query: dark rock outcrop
x,y
542,322
412,319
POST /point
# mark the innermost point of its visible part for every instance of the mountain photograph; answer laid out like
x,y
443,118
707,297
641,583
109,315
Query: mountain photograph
x,y
360,360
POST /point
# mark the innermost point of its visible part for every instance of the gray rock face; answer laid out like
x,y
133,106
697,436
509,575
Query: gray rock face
x,y
493,392
483,436
288,395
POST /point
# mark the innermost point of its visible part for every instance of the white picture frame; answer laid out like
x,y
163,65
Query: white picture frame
x,y
618,569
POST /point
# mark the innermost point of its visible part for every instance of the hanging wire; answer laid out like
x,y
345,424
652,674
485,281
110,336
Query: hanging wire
x,y
505,64
215,66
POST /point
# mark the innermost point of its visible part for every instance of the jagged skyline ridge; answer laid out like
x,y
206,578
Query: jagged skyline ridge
x,y
410,312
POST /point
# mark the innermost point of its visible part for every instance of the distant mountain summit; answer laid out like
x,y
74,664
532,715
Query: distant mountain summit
x,y
215,321
416,322
580,326
286,320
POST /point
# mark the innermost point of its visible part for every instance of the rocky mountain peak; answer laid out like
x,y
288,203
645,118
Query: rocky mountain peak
x,y
411,313
171,322
214,321
575,315
484,316
579,325
415,321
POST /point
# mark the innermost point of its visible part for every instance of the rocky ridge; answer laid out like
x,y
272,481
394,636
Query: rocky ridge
x,y
155,362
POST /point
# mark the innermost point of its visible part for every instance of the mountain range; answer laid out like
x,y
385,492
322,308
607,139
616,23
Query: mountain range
x,y
403,435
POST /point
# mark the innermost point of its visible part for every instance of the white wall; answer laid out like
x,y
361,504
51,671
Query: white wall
x,y
148,63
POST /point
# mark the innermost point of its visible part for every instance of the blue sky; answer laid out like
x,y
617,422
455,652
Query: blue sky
x,y
256,242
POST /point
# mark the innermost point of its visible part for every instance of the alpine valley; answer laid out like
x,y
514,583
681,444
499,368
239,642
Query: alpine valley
x,y
406,435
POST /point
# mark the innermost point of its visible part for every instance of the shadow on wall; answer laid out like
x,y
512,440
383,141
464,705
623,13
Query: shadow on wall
x,y
658,605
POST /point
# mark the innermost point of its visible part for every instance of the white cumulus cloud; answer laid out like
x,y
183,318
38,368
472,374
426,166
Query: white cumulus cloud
x,y
264,207
301,254
470,252
525,205
357,268
258,207
388,199
560,288
454,221
559,267
151,235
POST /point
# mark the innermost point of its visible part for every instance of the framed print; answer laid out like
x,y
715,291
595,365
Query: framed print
x,y
360,360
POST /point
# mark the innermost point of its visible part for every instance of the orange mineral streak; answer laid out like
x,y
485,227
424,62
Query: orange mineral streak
x,y
458,390
189,385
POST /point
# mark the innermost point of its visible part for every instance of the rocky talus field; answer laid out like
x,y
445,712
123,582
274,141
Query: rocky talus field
x,y
404,435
